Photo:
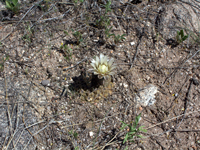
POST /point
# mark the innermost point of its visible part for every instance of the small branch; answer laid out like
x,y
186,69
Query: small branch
x,y
172,119
186,102
175,70
8,111
139,40
20,21
187,130
74,65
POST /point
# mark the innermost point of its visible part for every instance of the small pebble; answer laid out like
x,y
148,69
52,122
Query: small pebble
x,y
91,134
195,82
45,83
125,85
132,43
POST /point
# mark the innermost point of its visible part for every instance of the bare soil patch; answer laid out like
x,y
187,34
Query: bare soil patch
x,y
48,99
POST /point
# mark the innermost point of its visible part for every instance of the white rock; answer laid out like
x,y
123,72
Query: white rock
x,y
91,134
125,85
146,96
132,43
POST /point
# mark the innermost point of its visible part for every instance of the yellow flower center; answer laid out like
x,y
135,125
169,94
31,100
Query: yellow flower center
x,y
103,68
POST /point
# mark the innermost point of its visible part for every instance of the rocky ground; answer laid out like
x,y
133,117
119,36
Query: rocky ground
x,y
49,99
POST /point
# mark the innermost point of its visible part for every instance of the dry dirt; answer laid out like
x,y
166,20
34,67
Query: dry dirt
x,y
42,84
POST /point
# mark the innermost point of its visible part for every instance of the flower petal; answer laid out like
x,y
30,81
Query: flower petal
x,y
101,58
97,61
110,62
111,73
93,61
105,61
96,73
93,65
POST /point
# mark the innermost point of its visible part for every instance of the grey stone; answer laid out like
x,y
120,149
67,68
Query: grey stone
x,y
45,83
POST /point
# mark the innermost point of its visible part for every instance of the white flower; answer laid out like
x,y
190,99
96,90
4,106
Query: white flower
x,y
103,67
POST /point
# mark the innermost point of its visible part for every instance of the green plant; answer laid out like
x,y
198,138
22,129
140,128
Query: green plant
x,y
12,5
26,38
133,129
78,36
74,134
194,35
107,6
180,37
44,6
107,32
67,51
104,20
76,1
76,148
29,34
66,32
3,60
118,38
26,71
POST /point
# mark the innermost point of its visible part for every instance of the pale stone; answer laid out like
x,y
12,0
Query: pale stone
x,y
146,96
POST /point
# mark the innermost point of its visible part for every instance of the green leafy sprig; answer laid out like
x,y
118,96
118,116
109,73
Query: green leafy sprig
x,y
133,129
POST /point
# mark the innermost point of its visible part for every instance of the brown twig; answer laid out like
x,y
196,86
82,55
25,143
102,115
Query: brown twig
x,y
139,41
172,119
20,21
175,70
8,111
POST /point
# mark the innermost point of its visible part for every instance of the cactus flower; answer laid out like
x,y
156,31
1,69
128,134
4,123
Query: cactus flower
x,y
103,67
